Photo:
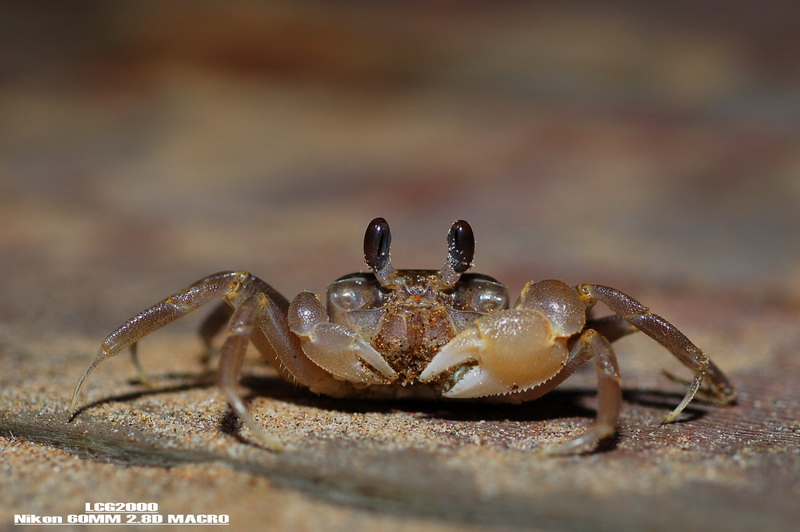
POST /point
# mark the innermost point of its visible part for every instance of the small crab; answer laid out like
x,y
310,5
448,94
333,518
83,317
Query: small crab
x,y
422,333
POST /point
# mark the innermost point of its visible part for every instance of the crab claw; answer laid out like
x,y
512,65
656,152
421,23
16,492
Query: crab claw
x,y
505,352
335,348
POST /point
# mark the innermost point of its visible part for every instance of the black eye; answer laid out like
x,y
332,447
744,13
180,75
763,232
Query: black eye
x,y
377,241
355,294
461,246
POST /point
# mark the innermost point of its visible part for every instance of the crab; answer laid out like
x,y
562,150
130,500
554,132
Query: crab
x,y
442,333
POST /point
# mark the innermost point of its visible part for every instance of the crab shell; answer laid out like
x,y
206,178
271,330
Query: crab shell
x,y
463,340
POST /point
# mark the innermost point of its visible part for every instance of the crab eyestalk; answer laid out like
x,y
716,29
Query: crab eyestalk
x,y
460,250
377,241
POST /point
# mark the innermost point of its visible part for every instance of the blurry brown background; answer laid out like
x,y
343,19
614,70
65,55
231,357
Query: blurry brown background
x,y
654,148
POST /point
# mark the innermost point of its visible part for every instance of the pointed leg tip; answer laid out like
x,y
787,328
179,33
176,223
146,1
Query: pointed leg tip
x,y
588,442
72,412
269,442
670,418
568,448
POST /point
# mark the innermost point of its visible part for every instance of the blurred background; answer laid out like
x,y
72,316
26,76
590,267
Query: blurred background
x,y
655,147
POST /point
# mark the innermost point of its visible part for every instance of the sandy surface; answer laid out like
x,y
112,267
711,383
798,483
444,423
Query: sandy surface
x,y
143,148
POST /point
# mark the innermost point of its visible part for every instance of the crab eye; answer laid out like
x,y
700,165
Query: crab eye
x,y
355,294
377,241
461,246
490,298
482,294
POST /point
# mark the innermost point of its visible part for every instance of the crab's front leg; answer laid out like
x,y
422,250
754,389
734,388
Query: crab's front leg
x,y
232,353
514,350
223,284
525,352
662,331
259,315
592,344
209,328
336,348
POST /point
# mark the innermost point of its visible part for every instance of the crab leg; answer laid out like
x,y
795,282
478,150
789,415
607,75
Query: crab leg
x,y
288,355
212,325
670,337
612,327
223,284
234,287
232,357
609,393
